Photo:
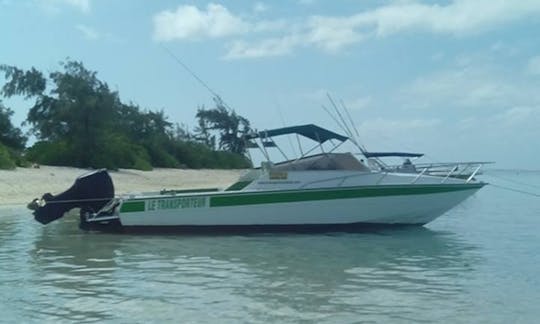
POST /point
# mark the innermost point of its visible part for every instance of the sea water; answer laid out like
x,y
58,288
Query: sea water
x,y
480,262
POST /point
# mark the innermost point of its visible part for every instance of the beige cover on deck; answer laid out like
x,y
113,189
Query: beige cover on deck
x,y
330,161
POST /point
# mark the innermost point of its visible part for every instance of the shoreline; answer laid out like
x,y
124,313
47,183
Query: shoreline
x,y
21,185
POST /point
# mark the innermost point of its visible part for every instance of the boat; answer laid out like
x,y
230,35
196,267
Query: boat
x,y
319,190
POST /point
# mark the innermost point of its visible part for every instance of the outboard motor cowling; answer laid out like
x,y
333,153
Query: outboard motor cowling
x,y
91,191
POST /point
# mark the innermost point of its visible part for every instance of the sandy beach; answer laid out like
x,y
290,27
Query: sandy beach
x,y
21,185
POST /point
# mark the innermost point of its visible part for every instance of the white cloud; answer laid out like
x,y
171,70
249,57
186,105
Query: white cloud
x,y
56,6
335,33
262,26
82,5
265,48
328,34
407,134
324,33
488,110
331,34
88,32
518,124
533,66
260,7
470,86
359,103
397,126
458,17
517,117
188,22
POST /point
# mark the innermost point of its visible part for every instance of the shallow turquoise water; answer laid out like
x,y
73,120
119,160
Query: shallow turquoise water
x,y
478,263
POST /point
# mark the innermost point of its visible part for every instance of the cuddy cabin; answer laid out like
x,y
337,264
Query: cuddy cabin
x,y
331,169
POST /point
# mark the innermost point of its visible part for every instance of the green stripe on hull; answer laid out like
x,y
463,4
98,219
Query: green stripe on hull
x,y
238,185
273,197
318,194
132,206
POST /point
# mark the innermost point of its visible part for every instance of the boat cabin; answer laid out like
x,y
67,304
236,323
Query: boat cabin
x,y
322,161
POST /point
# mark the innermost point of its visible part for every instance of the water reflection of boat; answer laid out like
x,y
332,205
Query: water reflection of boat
x,y
282,276
325,191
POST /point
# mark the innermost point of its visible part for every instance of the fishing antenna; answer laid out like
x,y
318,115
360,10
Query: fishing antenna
x,y
334,118
346,127
353,125
349,117
351,136
283,123
217,97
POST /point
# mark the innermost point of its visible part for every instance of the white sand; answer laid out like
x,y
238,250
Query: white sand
x,y
21,185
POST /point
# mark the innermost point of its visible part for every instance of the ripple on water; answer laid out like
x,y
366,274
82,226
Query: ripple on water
x,y
466,267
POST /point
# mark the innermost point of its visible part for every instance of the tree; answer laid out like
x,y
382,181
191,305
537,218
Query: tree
x,y
12,141
76,113
203,132
80,122
27,83
10,136
231,127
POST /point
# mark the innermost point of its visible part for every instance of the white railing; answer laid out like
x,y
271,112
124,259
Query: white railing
x,y
463,170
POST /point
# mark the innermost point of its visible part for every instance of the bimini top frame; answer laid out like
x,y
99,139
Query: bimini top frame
x,y
313,132
310,131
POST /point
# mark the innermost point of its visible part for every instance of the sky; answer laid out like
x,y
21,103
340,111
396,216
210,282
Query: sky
x,y
455,79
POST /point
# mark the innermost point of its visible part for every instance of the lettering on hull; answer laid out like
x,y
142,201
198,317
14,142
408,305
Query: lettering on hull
x,y
176,203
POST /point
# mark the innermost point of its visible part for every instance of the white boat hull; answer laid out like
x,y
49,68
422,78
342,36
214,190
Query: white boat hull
x,y
312,207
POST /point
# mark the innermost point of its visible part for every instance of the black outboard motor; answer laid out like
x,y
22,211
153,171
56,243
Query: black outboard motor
x,y
91,191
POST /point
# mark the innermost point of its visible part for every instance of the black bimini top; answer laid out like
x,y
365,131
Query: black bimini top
x,y
314,132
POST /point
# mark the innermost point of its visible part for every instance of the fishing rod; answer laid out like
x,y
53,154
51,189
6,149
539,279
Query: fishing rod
x,y
343,124
216,96
352,125
346,127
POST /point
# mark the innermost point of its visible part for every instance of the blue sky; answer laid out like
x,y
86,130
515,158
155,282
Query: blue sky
x,y
456,79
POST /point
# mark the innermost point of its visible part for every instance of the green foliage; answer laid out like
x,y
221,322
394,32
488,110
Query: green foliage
x,y
12,141
193,155
229,160
120,152
199,156
80,122
50,153
117,153
9,135
6,161
28,83
230,126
